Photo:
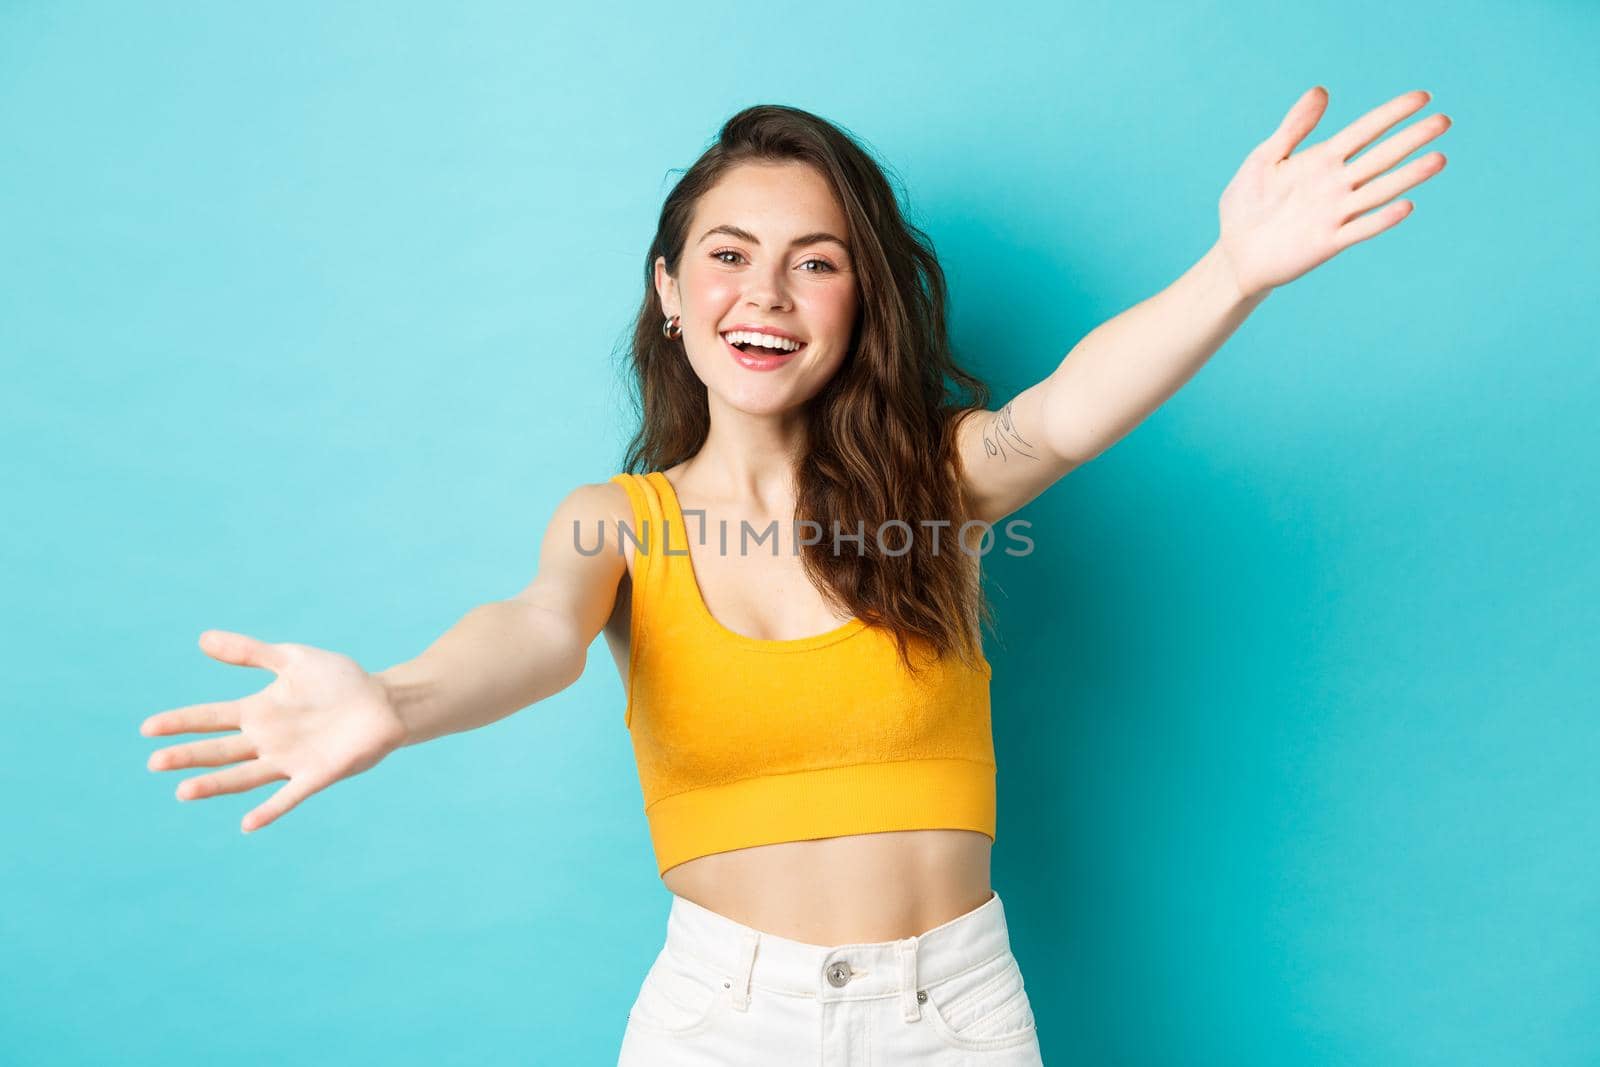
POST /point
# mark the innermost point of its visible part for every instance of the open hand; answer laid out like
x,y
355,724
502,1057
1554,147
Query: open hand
x,y
1283,214
322,719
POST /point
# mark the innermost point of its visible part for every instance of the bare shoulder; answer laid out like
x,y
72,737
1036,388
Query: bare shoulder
x,y
580,568
600,500
600,508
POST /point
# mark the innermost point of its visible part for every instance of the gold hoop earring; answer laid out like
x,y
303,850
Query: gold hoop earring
x,y
671,330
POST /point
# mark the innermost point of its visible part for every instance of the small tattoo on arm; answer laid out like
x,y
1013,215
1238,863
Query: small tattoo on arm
x,y
1002,431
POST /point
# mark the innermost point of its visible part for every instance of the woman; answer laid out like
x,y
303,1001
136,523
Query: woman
x,y
810,715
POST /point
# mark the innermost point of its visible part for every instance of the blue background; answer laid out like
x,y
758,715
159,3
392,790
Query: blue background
x,y
307,315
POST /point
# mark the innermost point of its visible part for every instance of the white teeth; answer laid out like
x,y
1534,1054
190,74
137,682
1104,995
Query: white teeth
x,y
765,340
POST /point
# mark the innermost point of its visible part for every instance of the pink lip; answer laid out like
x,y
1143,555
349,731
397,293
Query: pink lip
x,y
753,361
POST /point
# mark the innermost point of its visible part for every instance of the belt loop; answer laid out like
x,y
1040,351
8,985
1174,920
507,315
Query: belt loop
x,y
747,962
908,979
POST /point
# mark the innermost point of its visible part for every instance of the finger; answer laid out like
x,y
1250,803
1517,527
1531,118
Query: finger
x,y
1386,153
1366,226
203,753
1366,129
279,803
1301,119
240,649
196,718
1390,186
233,780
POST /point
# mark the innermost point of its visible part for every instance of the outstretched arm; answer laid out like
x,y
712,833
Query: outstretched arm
x,y
1283,214
324,718
507,654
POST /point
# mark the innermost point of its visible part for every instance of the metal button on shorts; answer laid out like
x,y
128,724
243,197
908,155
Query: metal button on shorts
x,y
838,974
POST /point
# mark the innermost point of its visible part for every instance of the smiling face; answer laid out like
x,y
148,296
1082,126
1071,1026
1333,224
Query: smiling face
x,y
759,255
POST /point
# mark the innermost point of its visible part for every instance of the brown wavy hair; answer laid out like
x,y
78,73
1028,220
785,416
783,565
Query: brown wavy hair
x,y
873,429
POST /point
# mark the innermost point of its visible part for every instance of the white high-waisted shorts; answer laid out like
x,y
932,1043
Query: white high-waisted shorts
x,y
722,993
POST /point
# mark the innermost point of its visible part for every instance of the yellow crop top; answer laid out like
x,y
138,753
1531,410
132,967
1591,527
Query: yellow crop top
x,y
742,741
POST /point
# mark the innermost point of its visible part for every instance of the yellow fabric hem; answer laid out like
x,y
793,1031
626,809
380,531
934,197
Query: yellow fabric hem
x,y
924,794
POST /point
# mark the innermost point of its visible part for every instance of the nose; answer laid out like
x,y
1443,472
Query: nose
x,y
767,290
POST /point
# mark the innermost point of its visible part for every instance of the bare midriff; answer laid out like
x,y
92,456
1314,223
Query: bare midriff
x,y
856,889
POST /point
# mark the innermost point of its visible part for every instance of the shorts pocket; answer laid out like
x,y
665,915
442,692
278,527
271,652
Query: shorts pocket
x,y
984,1008
679,996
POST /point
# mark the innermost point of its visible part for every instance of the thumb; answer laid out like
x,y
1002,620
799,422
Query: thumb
x,y
1301,120
240,649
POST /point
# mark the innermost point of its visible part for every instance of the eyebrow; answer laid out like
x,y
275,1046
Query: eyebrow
x,y
803,239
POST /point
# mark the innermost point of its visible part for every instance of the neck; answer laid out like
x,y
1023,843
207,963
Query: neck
x,y
749,457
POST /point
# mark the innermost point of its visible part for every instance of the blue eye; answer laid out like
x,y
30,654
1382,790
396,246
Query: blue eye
x,y
827,267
